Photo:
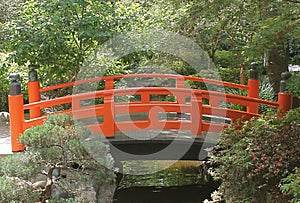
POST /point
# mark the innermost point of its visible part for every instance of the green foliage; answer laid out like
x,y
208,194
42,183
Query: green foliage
x,y
59,35
14,190
294,51
266,92
230,74
8,9
21,165
293,84
291,185
251,160
249,29
236,92
60,144
4,84
225,59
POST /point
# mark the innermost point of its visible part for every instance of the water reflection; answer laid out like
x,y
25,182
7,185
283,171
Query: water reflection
x,y
183,182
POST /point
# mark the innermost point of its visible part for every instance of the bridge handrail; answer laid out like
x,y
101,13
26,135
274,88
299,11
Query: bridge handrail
x,y
170,76
251,101
122,92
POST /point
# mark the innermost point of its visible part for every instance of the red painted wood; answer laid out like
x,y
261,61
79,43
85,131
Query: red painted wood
x,y
110,110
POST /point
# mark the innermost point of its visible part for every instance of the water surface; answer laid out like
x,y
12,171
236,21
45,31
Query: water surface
x,y
182,182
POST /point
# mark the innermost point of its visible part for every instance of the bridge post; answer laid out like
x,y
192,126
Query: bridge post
x,y
16,111
253,88
109,115
109,84
285,99
33,91
196,113
180,83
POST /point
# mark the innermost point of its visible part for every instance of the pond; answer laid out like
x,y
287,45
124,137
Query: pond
x,y
182,182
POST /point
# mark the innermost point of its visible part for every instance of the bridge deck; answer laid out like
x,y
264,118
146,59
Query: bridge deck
x,y
159,145
152,140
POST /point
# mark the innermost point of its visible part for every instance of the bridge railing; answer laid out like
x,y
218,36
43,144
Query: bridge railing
x,y
108,112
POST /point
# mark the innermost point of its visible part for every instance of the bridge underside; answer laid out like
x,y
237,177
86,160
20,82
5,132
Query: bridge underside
x,y
160,145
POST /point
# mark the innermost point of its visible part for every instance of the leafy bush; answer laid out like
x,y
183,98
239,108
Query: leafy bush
x,y
56,156
266,92
293,84
225,59
230,74
291,185
251,161
14,190
232,105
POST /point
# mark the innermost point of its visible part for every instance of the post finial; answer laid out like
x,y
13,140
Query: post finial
x,y
15,85
32,66
254,75
14,77
285,76
32,75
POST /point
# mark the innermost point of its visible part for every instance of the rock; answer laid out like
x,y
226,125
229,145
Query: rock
x,y
58,193
4,118
39,184
88,194
106,193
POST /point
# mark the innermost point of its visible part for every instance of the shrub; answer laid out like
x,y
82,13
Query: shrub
x,y
230,74
293,84
266,92
251,161
55,159
291,185
225,59
15,190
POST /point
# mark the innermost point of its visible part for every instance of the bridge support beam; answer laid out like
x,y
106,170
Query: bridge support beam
x,y
253,88
34,91
16,111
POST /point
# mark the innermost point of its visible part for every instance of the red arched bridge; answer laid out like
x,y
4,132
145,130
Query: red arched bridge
x,y
148,107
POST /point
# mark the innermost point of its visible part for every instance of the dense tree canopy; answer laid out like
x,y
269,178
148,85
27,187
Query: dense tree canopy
x,y
59,35
252,30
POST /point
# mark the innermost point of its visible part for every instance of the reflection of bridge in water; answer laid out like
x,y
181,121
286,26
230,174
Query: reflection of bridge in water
x,y
145,119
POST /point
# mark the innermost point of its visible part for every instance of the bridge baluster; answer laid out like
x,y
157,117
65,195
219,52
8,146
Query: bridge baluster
x,y
109,115
196,113
253,88
180,83
16,111
34,91
109,84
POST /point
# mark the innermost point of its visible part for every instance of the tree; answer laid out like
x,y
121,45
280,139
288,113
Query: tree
x,y
250,28
59,35
8,9
56,156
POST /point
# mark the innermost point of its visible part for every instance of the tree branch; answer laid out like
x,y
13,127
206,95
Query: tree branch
x,y
293,1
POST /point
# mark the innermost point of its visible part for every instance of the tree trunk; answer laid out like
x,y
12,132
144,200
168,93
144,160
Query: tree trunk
x,y
242,73
276,62
46,193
